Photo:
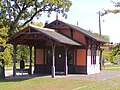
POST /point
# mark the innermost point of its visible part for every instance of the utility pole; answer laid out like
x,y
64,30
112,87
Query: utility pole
x,y
100,35
99,13
99,23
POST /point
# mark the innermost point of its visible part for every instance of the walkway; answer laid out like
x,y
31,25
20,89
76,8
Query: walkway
x,y
99,76
104,74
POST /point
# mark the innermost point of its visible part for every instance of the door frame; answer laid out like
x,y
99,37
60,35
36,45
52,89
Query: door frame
x,y
60,58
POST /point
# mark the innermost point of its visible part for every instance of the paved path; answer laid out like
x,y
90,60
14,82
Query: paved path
x,y
10,73
104,74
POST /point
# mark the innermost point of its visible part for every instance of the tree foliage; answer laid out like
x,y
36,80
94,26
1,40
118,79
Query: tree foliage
x,y
116,50
7,56
5,50
112,55
105,37
17,13
115,11
40,24
23,53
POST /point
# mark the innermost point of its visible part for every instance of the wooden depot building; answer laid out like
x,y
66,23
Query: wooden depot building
x,y
60,47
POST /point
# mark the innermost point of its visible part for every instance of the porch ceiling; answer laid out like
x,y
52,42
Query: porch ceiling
x,y
34,34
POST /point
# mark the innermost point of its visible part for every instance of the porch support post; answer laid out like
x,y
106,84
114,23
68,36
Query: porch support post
x,y
101,59
34,60
66,59
30,67
53,61
14,61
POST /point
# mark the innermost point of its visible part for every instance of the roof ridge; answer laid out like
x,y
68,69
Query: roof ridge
x,y
34,26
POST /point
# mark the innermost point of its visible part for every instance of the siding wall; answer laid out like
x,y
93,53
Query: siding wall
x,y
79,37
81,57
39,56
66,32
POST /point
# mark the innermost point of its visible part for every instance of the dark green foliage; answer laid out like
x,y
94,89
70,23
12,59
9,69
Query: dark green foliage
x,y
6,53
116,50
105,37
112,11
112,55
17,13
23,52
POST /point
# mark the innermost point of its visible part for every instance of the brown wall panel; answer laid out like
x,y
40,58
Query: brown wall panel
x,y
79,37
81,57
66,32
39,56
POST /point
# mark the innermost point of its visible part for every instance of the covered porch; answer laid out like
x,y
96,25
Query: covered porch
x,y
51,50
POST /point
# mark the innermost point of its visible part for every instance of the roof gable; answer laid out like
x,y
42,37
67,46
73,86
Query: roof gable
x,y
56,24
45,31
81,30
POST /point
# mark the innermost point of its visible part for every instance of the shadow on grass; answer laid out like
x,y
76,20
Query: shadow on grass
x,y
20,78
13,80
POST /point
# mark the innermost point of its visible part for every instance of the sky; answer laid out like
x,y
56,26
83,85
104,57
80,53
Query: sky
x,y
85,13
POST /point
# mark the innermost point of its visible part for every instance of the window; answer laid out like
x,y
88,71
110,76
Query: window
x,y
93,54
54,23
49,56
63,26
70,56
58,23
71,31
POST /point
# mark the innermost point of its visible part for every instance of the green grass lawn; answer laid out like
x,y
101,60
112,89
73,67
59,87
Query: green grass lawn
x,y
41,84
62,83
112,67
109,84
59,84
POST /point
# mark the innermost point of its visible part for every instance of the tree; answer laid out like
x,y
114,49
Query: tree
x,y
7,56
116,50
17,13
40,24
105,37
23,53
5,50
115,11
112,55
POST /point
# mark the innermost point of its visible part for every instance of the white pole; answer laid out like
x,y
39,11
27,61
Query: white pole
x,y
53,61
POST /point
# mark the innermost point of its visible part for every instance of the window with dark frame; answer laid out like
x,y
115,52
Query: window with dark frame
x,y
71,31
70,56
93,54
49,56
